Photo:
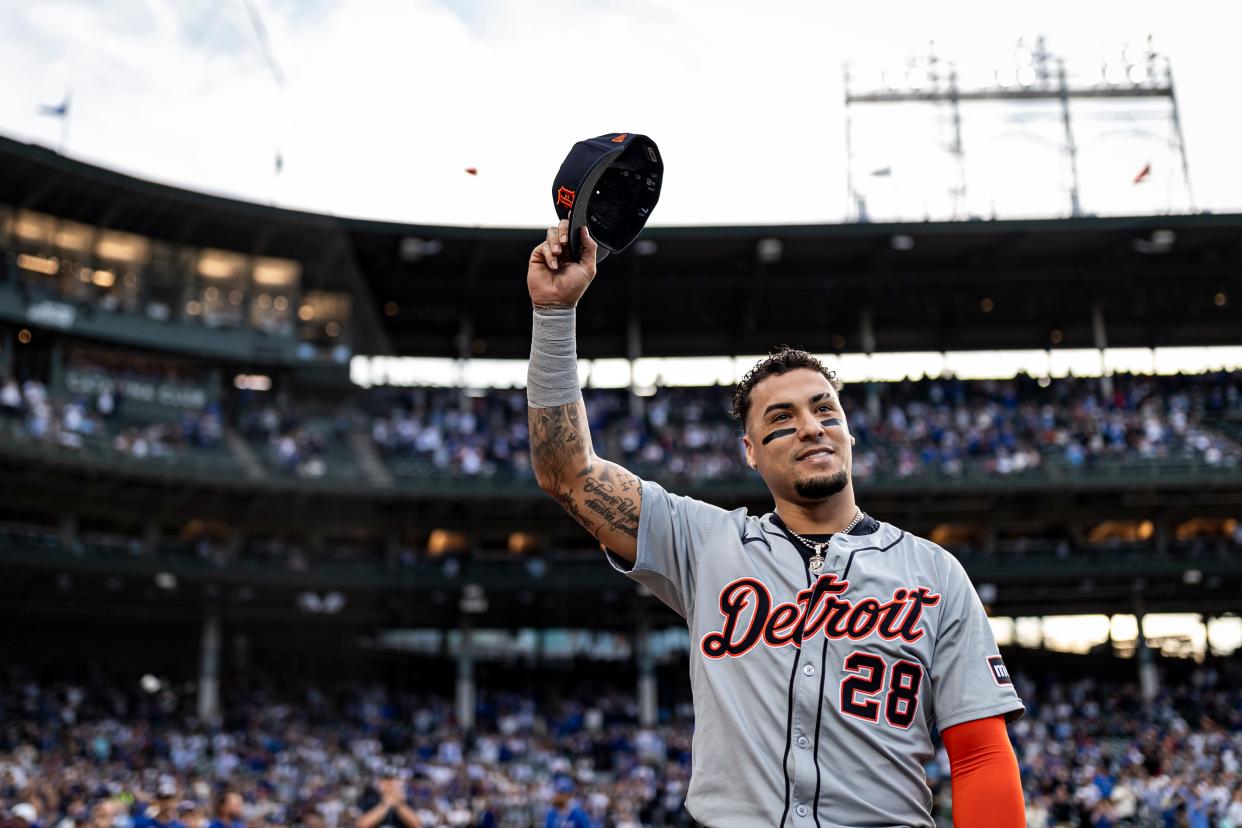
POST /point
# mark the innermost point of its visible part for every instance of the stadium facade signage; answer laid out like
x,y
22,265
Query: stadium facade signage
x,y
52,314
172,395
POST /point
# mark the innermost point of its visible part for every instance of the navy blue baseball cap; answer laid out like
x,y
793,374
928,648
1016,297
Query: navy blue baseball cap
x,y
610,185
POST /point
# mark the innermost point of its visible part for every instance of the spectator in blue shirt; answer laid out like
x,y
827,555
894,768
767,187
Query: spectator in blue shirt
x,y
229,811
565,811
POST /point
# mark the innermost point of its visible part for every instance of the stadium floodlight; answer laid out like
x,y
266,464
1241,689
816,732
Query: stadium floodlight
x,y
1035,75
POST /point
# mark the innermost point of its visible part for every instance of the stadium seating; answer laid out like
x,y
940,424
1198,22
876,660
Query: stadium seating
x,y
908,433
302,753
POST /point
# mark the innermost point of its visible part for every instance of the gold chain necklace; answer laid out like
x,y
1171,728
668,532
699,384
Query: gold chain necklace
x,y
817,557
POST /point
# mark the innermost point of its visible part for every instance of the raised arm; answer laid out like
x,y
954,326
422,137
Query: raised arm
x,y
602,496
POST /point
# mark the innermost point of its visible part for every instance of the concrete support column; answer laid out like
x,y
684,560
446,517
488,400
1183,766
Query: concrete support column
x,y
541,646
209,665
233,546
989,538
241,652
634,351
1160,537
151,537
69,531
866,330
6,356
465,674
464,342
648,687
1099,335
1149,679
215,384
392,549
56,368
866,337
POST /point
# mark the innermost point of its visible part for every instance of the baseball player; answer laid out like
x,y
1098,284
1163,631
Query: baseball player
x,y
825,644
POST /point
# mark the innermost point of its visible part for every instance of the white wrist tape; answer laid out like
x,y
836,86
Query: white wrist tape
x,y
552,376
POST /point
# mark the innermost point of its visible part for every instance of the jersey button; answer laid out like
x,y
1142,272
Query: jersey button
x,y
804,742
809,669
802,810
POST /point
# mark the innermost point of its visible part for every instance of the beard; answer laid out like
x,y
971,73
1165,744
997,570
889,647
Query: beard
x,y
822,488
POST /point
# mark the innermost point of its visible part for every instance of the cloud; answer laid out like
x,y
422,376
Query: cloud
x,y
387,101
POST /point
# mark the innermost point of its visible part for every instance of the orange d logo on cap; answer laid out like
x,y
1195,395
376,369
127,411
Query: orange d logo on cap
x,y
619,175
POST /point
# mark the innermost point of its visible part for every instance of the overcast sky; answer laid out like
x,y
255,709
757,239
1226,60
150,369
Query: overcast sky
x,y
384,103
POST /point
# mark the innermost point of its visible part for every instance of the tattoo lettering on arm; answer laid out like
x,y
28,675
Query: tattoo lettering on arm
x,y
607,499
566,499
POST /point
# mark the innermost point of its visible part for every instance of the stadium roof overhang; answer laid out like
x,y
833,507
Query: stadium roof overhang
x,y
1136,281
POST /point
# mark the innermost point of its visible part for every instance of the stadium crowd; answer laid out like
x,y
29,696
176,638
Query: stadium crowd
x,y
82,422
942,427
1091,752
290,441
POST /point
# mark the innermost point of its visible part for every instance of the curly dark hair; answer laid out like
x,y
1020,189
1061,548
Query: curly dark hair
x,y
781,360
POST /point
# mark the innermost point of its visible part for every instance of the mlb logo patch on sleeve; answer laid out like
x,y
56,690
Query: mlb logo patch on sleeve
x,y
1000,674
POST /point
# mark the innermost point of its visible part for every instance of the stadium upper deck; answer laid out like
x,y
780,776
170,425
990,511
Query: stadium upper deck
x,y
152,296
356,286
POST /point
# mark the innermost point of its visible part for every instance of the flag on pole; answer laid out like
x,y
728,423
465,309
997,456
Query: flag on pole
x,y
1144,174
472,170
60,110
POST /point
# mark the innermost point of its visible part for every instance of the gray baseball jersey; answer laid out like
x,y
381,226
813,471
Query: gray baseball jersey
x,y
814,697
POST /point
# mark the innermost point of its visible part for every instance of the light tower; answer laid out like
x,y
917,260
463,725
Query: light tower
x,y
1036,75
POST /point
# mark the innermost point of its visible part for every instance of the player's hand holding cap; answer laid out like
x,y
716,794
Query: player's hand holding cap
x,y
610,185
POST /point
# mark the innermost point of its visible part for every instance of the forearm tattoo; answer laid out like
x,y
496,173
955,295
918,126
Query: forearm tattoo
x,y
600,495
558,441
613,497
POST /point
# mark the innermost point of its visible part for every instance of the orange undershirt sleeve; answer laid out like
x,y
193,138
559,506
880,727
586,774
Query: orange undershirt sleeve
x,y
987,789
